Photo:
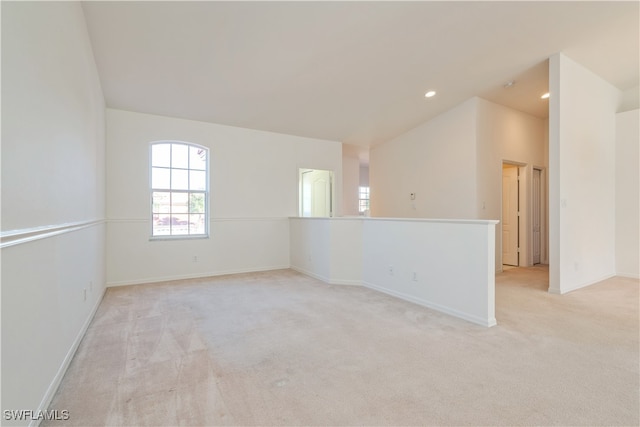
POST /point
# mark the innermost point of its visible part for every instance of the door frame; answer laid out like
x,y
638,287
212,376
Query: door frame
x,y
332,190
544,216
525,229
524,193
510,200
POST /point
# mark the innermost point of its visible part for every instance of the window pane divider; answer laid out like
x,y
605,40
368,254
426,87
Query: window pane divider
x,y
194,202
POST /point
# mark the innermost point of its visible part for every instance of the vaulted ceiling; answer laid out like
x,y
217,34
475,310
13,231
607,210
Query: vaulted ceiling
x,y
354,72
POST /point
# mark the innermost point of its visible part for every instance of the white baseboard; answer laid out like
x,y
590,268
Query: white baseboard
x,y
193,276
344,282
310,273
580,286
443,309
452,312
629,275
55,383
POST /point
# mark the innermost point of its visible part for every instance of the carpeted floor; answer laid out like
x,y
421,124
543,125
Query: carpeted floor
x,y
280,348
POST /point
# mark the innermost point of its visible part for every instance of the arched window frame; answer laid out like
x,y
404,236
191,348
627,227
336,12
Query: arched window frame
x,y
179,199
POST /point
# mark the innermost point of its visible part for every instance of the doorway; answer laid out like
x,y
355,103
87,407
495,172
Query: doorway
x,y
510,215
316,193
536,216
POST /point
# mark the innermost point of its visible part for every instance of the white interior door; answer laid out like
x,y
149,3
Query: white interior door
x,y
317,193
510,215
537,215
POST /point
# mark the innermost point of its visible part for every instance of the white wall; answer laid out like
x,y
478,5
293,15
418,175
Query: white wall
x,y
254,189
454,165
364,176
504,134
361,251
346,251
630,100
545,254
310,247
53,196
436,160
350,181
627,193
329,249
453,261
582,149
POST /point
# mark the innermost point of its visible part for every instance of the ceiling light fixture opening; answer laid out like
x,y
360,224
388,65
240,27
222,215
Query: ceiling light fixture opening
x,y
430,94
545,96
509,84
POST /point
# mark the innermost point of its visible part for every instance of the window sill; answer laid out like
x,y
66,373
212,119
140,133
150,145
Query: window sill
x,y
187,237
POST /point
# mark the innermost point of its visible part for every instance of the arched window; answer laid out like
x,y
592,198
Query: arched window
x,y
179,189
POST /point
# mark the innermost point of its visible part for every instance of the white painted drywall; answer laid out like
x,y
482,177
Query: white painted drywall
x,y
364,175
507,135
553,183
346,251
627,193
254,189
310,247
545,246
630,100
435,251
436,161
353,251
53,174
454,166
350,181
329,249
52,119
582,148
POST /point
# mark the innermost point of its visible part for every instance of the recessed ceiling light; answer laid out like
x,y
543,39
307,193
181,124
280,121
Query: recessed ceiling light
x,y
545,96
430,94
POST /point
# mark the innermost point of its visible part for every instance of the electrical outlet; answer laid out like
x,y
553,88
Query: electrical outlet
x,y
195,258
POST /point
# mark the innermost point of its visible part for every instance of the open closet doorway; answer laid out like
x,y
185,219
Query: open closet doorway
x,y
510,215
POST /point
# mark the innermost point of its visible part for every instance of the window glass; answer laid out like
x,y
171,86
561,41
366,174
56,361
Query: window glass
x,y
179,179
161,178
196,203
197,180
161,154
363,199
179,156
197,158
179,189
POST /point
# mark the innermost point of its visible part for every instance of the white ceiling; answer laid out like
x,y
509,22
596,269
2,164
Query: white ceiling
x,y
354,72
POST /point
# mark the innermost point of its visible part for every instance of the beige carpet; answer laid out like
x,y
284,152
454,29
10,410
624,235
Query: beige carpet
x,y
279,348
